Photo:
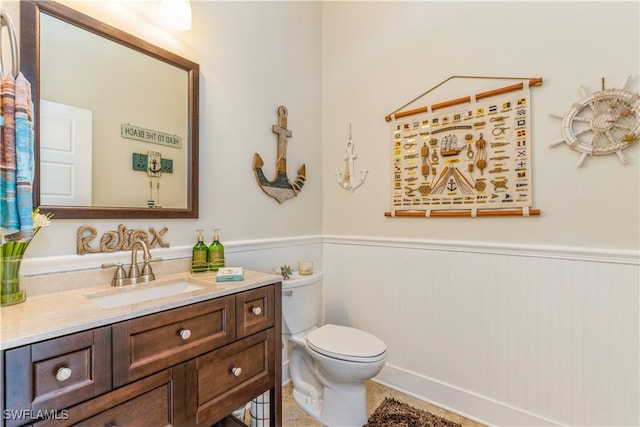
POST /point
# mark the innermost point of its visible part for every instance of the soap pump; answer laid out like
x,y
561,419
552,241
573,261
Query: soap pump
x,y
199,255
216,252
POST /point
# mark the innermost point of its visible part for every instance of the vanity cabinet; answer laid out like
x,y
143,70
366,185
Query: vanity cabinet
x,y
57,373
255,310
221,378
150,343
147,402
191,365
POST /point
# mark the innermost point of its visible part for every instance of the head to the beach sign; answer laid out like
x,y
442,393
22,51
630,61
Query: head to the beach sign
x,y
149,135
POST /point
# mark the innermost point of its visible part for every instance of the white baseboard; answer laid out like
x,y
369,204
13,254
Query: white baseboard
x,y
456,400
452,399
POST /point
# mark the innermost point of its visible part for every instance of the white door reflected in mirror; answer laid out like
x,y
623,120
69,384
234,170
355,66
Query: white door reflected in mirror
x,y
65,155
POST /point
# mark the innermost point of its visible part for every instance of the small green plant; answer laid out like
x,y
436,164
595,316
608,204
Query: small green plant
x,y
286,271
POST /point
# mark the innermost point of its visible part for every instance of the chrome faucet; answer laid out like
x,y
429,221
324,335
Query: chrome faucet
x,y
121,278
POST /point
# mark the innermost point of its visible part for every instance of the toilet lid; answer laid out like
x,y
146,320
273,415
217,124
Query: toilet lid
x,y
345,343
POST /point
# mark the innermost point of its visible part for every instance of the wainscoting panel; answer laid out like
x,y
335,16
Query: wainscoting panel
x,y
503,334
550,335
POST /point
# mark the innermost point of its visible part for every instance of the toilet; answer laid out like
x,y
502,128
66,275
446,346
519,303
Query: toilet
x,y
328,364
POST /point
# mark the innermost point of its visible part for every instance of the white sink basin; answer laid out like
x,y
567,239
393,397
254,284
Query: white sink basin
x,y
132,294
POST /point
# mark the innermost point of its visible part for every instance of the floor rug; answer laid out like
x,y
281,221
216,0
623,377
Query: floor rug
x,y
392,413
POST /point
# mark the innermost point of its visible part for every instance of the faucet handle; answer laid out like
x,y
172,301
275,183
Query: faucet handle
x,y
146,270
119,275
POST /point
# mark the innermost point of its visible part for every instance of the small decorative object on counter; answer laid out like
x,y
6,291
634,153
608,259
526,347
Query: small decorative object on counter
x,y
229,274
216,252
10,280
305,268
199,259
11,255
286,271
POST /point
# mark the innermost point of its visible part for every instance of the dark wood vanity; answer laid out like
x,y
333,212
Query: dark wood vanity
x,y
186,366
192,362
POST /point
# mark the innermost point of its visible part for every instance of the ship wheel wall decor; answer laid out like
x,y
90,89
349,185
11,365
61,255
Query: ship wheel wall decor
x,y
602,123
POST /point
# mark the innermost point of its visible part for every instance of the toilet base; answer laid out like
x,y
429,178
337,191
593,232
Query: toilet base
x,y
331,390
342,407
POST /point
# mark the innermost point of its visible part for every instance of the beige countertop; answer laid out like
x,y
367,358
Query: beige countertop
x,y
55,314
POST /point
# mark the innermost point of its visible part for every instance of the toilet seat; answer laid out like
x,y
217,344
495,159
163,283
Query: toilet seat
x,y
345,343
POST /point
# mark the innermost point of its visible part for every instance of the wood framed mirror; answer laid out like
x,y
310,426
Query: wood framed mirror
x,y
140,103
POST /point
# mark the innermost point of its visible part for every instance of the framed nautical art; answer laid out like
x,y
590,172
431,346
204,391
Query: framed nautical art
x,y
464,157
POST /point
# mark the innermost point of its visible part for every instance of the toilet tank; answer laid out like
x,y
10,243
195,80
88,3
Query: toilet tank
x,y
301,302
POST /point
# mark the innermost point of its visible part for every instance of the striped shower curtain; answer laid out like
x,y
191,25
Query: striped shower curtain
x,y
16,158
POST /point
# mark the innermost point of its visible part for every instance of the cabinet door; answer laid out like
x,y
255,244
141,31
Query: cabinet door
x,y
147,402
255,310
57,373
223,380
151,343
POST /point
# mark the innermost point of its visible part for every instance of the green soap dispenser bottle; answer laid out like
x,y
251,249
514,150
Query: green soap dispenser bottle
x,y
199,255
216,252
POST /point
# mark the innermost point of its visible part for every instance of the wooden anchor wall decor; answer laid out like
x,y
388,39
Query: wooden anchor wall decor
x,y
281,188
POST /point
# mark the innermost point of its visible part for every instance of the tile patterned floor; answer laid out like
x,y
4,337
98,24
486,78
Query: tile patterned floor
x,y
292,416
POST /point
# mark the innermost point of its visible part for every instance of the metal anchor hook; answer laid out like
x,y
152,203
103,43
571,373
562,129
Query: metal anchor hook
x,y
281,188
346,180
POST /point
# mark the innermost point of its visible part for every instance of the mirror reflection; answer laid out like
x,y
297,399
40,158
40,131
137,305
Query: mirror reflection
x,y
117,126
93,86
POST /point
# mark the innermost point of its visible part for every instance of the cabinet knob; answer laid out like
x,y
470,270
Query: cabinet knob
x,y
185,334
236,371
63,374
257,311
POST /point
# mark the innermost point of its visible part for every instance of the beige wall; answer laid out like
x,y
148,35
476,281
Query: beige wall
x,y
377,56
254,57
513,321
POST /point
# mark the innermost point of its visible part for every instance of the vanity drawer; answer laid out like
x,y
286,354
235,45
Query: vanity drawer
x,y
151,343
58,373
148,402
223,379
255,310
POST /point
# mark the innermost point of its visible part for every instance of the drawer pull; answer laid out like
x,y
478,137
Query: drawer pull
x,y
257,311
185,334
63,374
236,371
